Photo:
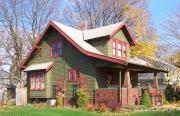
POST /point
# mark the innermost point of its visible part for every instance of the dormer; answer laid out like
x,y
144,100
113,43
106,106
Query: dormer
x,y
112,40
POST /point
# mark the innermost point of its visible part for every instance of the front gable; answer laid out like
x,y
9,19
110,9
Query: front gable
x,y
43,55
120,35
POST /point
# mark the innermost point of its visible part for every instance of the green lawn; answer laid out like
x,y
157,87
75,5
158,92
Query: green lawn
x,y
31,111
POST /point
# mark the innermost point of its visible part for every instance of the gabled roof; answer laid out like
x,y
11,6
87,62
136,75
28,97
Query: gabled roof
x,y
101,31
76,38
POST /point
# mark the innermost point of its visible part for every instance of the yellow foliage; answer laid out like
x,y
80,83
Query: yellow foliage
x,y
143,48
145,35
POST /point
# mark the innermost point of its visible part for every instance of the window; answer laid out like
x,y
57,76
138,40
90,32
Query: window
x,y
73,75
56,49
119,49
75,88
114,48
37,80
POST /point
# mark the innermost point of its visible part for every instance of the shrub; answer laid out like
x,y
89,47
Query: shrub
x,y
146,99
82,98
164,99
131,107
59,100
119,109
102,108
141,107
90,107
169,93
177,92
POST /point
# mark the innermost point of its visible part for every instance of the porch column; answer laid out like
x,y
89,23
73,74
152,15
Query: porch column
x,y
155,81
128,86
127,81
155,85
120,88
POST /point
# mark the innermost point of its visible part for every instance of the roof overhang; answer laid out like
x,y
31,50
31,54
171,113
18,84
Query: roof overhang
x,y
42,66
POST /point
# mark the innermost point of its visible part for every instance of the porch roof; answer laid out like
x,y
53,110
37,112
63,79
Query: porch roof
x,y
135,64
42,66
144,68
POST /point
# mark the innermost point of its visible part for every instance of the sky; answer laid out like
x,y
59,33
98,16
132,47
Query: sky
x,y
160,10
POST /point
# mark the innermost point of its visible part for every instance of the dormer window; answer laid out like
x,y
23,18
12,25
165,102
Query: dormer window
x,y
56,49
119,49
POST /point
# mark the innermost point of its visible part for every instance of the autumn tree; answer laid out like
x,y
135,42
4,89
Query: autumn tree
x,y
104,12
21,22
172,25
171,34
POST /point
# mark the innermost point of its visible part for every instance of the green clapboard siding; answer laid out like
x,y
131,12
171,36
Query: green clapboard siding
x,y
72,58
100,44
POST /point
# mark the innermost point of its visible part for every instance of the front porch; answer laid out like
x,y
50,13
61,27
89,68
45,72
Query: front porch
x,y
121,87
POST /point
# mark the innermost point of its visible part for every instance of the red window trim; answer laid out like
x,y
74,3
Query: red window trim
x,y
51,45
75,71
113,41
39,80
122,49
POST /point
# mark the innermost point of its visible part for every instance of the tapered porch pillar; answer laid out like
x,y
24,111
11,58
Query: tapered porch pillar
x,y
128,88
155,81
156,86
127,81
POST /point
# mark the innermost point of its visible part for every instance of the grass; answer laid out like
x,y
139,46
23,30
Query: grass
x,y
33,111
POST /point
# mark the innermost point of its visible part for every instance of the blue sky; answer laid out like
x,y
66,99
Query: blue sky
x,y
160,10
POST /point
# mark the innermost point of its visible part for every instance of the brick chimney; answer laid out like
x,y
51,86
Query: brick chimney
x,y
84,26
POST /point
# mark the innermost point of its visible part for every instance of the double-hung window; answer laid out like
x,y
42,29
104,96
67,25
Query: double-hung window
x,y
56,49
119,49
73,75
37,80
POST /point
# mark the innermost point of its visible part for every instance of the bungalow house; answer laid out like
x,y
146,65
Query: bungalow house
x,y
64,59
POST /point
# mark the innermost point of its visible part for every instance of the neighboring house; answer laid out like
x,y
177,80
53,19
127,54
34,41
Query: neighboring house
x,y
4,79
64,59
4,84
172,77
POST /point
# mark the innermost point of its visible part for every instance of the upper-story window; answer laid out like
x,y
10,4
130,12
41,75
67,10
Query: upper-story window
x,y
119,49
56,49
73,75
